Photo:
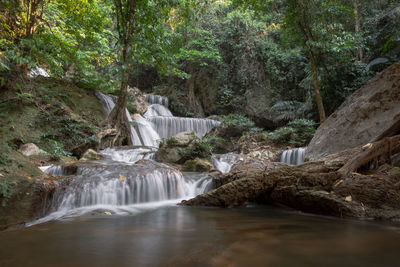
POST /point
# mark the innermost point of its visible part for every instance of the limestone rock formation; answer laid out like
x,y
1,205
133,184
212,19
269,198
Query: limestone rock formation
x,y
30,149
90,154
184,138
371,113
138,100
197,165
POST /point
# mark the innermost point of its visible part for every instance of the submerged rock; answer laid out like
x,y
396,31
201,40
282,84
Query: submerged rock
x,y
371,113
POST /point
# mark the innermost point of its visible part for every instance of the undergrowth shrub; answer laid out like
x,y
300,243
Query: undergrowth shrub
x,y
296,133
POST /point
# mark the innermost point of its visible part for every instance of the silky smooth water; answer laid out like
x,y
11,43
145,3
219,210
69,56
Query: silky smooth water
x,y
187,236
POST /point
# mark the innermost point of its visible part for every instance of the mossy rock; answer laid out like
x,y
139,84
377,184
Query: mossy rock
x,y
197,165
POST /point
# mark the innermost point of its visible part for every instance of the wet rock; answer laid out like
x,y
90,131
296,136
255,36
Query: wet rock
x,y
197,165
371,113
181,148
184,138
90,154
169,155
138,100
315,187
30,149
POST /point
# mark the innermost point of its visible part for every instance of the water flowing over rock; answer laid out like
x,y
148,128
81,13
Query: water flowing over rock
x,y
121,183
224,162
157,99
142,134
368,115
159,122
129,155
145,131
38,72
293,156
169,126
158,110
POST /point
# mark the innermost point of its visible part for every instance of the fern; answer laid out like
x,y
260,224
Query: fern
x,y
287,110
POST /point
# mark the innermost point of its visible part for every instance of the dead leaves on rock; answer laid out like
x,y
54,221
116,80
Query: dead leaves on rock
x,y
348,199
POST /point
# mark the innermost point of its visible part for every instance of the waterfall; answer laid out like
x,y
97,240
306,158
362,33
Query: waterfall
x,y
157,110
127,179
119,184
170,126
157,99
294,156
142,134
159,122
224,163
128,155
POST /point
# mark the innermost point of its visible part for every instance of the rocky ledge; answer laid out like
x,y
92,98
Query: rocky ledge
x,y
337,185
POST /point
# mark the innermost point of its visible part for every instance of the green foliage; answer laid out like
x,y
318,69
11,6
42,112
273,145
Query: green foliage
x,y
296,133
199,148
218,145
53,147
4,149
238,120
65,133
6,191
236,124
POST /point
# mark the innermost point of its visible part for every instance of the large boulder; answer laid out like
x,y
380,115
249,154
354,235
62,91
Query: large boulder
x,y
320,186
371,113
30,149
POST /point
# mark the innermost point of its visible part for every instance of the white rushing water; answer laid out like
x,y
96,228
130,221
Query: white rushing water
x,y
170,126
159,122
157,110
294,156
116,185
157,99
224,163
121,183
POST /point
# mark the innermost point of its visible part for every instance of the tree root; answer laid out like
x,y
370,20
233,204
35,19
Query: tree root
x,y
378,152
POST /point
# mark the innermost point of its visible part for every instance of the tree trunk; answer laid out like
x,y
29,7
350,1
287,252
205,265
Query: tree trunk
x,y
118,117
320,104
193,101
360,53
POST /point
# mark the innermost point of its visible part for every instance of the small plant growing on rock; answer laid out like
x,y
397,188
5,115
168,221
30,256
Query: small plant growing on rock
x,y
296,133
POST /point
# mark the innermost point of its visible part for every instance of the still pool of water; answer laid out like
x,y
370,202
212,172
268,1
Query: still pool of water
x,y
184,236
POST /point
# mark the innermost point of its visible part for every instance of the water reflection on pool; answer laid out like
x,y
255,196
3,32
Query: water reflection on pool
x,y
183,236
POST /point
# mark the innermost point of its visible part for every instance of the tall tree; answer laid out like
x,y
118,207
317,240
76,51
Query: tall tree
x,y
125,11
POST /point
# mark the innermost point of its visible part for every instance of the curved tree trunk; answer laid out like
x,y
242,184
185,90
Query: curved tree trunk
x,y
118,120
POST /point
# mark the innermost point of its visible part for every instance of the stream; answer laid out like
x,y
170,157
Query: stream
x,y
122,211
185,236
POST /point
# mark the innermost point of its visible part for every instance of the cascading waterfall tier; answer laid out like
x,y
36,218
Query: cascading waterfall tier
x,y
120,184
127,179
294,156
169,126
159,122
142,133
157,99
157,110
